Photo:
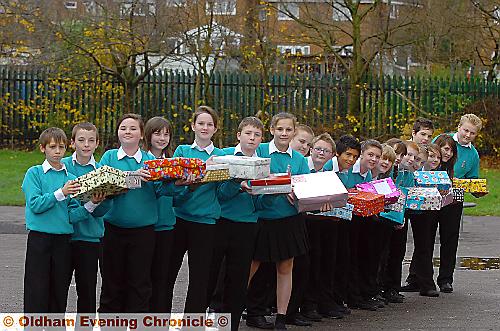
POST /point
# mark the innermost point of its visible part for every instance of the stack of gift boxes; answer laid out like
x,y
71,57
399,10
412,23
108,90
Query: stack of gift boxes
x,y
432,179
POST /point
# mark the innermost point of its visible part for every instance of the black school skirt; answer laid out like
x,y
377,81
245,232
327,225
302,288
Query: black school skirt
x,y
281,239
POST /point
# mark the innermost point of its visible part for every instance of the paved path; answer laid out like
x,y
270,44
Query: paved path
x,y
475,304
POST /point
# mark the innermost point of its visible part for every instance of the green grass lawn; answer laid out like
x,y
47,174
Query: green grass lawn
x,y
14,164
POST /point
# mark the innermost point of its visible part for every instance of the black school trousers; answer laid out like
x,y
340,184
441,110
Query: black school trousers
x,y
47,272
354,289
233,247
421,267
161,299
323,234
261,295
342,264
85,261
448,218
197,239
395,256
126,272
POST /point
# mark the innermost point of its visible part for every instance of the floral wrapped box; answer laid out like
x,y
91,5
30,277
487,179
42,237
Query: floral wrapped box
x,y
382,186
178,167
105,179
344,213
399,206
366,203
312,191
245,167
437,179
471,185
274,184
423,198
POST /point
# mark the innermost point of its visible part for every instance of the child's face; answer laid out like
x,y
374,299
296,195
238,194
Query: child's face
x,y
347,159
54,151
419,161
250,138
409,159
204,127
129,133
321,152
446,153
283,132
399,157
467,132
432,161
423,136
384,165
302,142
85,143
370,157
160,139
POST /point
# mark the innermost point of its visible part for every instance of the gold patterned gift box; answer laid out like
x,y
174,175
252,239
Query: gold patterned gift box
x,y
216,173
471,185
105,179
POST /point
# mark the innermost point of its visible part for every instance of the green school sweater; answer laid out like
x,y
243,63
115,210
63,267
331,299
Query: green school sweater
x,y
43,212
200,205
138,207
92,230
281,207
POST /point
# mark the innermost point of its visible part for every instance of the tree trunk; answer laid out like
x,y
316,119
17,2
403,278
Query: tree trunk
x,y
129,97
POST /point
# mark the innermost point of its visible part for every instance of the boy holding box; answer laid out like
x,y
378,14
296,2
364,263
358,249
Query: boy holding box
x,y
50,215
86,239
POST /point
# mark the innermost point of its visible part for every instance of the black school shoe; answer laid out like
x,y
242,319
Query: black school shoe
x,y
393,296
429,293
362,305
381,298
312,315
259,322
298,320
280,322
332,314
410,287
446,288
376,302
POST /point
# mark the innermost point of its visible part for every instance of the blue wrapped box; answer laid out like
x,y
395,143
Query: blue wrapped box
x,y
424,198
437,179
344,213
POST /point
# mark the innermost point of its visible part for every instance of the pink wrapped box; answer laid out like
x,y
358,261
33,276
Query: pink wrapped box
x,y
385,186
312,191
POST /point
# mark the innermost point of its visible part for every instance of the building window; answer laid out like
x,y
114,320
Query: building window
x,y
71,4
393,11
141,8
221,7
294,50
341,12
286,11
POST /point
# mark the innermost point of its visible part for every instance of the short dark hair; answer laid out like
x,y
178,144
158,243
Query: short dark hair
x,y
422,124
206,110
347,141
87,126
54,133
252,121
398,145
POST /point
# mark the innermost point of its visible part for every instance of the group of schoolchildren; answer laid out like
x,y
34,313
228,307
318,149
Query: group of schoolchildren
x,y
245,252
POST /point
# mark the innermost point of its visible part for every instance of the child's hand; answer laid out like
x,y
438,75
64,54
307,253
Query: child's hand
x,y
326,207
71,187
398,227
145,175
190,179
98,197
210,161
245,187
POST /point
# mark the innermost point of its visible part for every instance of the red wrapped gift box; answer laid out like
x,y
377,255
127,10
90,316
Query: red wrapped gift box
x,y
274,184
178,167
366,203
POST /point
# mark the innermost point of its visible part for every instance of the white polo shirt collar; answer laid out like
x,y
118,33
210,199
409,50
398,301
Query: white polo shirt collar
x,y
455,137
237,150
356,169
209,149
91,161
274,149
46,166
137,156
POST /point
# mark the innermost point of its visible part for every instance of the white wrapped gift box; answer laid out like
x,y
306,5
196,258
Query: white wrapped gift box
x,y
245,167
